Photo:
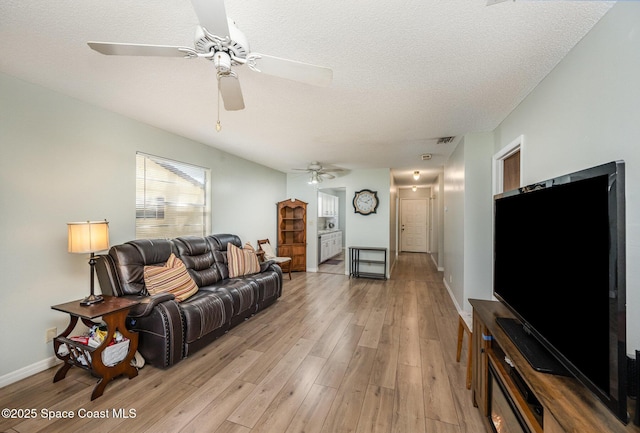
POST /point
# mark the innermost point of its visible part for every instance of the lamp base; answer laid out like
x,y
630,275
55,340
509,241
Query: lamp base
x,y
91,299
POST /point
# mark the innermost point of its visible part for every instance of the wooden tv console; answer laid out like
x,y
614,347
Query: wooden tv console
x,y
566,405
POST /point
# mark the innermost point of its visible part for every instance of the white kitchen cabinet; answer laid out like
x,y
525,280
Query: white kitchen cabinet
x,y
330,245
328,205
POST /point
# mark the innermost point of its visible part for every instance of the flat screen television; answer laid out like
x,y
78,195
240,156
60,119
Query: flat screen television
x,y
559,266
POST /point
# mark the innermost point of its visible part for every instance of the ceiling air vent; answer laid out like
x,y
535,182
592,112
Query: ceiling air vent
x,y
445,140
426,156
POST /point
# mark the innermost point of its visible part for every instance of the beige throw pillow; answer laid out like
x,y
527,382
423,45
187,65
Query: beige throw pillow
x,y
242,261
173,277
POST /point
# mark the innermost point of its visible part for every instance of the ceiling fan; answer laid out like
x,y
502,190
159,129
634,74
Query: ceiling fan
x,y
219,40
317,172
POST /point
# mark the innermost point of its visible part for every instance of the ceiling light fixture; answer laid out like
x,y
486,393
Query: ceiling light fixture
x,y
414,188
416,175
315,178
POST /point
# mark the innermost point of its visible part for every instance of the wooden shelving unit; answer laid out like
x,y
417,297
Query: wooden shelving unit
x,y
292,233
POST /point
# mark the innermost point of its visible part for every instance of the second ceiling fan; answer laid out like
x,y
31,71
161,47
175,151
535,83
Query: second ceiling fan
x,y
219,40
317,172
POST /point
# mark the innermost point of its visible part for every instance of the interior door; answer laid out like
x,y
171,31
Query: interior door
x,y
511,172
413,232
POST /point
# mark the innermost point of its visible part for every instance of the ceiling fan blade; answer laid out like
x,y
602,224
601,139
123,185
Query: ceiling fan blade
x,y
212,16
291,69
115,48
231,92
327,175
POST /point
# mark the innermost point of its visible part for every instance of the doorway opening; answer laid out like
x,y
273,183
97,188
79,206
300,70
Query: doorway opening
x,y
332,230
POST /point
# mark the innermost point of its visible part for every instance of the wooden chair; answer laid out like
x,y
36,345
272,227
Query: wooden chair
x,y
270,254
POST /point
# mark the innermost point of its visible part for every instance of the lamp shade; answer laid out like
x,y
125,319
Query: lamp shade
x,y
88,236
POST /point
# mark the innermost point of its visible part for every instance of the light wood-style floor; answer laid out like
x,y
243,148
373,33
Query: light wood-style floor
x,y
331,267
332,355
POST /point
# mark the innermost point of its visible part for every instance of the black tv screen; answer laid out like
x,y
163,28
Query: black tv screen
x,y
559,266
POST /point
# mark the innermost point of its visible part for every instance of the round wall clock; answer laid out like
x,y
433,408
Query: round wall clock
x,y
365,202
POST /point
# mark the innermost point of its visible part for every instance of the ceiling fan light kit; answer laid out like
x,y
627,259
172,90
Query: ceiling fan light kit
x,y
218,40
317,173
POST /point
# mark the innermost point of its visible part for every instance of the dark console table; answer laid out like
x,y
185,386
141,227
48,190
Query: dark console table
x,y
373,257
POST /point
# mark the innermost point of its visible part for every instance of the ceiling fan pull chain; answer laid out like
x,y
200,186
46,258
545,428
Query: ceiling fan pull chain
x,y
218,125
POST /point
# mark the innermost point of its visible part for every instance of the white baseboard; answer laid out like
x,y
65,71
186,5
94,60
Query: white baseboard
x,y
27,371
453,298
433,259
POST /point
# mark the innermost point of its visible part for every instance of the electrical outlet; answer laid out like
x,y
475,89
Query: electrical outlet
x,y
51,334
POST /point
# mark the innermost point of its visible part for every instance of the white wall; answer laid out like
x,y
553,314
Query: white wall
x,y
585,113
454,223
437,191
63,160
393,222
478,219
360,230
468,220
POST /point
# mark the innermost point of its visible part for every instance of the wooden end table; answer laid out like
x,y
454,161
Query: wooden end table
x,y
113,311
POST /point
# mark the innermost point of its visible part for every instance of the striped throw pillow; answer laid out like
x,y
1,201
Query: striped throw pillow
x,y
242,261
173,277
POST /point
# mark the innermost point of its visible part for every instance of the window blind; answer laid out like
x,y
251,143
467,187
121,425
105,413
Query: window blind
x,y
172,198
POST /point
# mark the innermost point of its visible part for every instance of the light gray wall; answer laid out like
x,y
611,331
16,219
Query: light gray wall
x,y
63,160
468,220
454,191
393,222
585,113
438,225
478,219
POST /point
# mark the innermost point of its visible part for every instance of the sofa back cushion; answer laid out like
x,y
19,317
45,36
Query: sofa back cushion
x,y
219,248
130,258
197,255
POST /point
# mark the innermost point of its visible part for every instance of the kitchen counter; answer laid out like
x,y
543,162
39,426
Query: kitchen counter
x,y
327,231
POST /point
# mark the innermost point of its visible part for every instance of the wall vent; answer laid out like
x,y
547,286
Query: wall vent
x,y
445,140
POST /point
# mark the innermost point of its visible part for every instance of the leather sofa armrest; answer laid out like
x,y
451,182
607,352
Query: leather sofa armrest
x,y
266,265
148,303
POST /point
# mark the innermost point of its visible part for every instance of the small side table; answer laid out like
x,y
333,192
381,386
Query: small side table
x,y
113,311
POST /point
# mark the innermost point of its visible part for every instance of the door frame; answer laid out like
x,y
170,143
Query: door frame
x,y
498,162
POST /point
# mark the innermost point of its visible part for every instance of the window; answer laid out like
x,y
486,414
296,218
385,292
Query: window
x,y
172,198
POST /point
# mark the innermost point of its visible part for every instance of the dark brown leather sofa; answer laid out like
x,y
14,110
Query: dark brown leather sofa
x,y
168,330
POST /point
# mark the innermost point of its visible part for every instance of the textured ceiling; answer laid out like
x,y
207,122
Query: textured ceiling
x,y
405,72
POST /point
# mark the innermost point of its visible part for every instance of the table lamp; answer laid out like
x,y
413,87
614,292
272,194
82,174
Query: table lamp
x,y
89,237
